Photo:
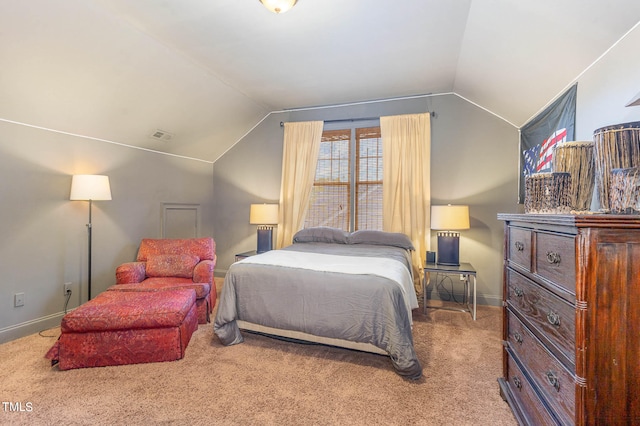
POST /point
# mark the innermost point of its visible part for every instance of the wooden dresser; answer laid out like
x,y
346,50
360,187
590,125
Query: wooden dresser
x,y
571,324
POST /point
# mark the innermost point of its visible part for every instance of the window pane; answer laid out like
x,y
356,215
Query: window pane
x,y
329,203
369,206
369,184
325,150
323,170
344,171
329,206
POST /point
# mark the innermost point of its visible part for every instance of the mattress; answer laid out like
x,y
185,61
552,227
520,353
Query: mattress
x,y
358,295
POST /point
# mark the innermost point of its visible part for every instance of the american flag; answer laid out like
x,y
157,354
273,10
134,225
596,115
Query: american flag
x,y
546,150
540,135
531,160
539,158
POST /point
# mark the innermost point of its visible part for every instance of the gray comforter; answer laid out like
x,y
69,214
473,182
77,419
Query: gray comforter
x,y
355,307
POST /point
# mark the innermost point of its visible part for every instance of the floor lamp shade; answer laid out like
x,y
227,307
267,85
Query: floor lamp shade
x,y
448,219
264,215
90,188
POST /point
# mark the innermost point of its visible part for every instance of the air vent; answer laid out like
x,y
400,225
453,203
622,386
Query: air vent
x,y
161,135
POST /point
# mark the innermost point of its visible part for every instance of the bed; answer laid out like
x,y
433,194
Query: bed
x,y
349,290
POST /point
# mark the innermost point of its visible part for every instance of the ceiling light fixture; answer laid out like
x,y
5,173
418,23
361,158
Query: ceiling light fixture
x,y
278,6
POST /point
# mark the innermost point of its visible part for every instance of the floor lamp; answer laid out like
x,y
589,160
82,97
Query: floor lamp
x,y
90,188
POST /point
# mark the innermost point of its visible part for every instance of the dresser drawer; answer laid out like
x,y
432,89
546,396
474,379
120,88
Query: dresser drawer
x,y
553,318
556,384
526,397
556,259
519,250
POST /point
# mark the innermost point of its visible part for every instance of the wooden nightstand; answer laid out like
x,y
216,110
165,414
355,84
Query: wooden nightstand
x,y
246,254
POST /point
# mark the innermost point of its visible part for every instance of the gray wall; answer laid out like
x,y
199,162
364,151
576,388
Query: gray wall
x,y
472,163
474,159
43,235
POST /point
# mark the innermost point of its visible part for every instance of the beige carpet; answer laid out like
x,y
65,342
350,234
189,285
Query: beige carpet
x,y
266,382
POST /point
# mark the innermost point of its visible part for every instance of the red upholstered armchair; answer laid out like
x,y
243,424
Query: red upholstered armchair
x,y
164,264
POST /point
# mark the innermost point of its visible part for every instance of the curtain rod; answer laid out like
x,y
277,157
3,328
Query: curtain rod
x,y
344,120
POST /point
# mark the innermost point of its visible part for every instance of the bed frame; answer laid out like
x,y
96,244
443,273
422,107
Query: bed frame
x,y
298,335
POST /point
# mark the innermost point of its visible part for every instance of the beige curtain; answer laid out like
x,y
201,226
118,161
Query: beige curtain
x,y
299,158
406,191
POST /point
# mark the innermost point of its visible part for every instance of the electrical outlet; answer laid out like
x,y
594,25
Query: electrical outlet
x,y
67,288
18,299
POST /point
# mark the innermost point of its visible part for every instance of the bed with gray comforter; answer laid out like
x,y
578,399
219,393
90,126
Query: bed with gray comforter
x,y
356,287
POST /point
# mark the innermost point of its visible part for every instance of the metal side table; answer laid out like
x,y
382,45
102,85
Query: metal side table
x,y
464,269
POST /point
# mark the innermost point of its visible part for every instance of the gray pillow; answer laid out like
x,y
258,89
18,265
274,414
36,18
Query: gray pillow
x,y
321,234
381,238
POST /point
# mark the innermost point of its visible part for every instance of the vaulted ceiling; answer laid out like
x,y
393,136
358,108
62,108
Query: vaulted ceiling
x,y
207,71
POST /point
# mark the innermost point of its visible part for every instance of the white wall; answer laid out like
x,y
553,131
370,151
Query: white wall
x,y
605,89
43,235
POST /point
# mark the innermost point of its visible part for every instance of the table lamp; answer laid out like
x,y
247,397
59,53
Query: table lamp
x,y
264,215
448,219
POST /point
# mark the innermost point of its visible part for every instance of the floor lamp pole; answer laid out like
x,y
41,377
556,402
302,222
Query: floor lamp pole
x,y
89,255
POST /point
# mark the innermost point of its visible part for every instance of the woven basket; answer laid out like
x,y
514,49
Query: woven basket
x,y
615,147
547,193
576,158
624,191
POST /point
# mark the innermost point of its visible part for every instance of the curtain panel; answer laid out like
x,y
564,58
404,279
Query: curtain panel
x,y
406,192
299,159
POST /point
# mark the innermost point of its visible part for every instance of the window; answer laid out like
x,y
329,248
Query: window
x,y
369,181
347,192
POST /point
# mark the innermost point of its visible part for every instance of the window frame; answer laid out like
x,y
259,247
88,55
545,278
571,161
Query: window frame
x,y
351,125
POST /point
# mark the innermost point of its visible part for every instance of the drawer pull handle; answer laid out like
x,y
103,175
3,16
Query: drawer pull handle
x,y
553,318
517,382
553,380
517,337
518,291
519,246
553,257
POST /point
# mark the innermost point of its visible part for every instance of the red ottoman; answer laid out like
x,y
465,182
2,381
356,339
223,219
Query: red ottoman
x,y
119,327
202,290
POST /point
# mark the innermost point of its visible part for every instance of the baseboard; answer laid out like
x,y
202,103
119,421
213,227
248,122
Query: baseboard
x,y
490,300
23,329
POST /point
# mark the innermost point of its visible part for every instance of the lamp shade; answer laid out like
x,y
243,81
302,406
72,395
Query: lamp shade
x,y
263,214
449,218
90,187
278,6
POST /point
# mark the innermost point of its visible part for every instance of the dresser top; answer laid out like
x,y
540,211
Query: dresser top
x,y
596,220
